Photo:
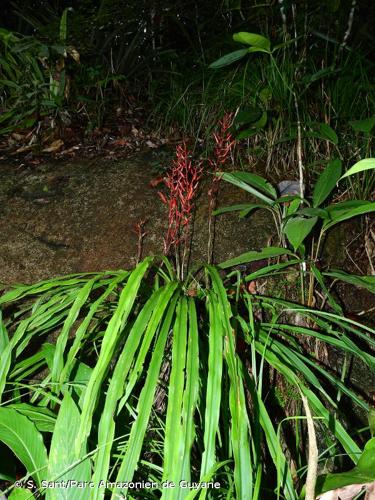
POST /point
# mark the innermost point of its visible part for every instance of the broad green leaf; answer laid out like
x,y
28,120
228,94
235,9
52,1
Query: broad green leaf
x,y
265,253
252,183
261,123
253,50
365,126
248,132
297,229
313,212
26,442
257,41
228,59
363,472
62,462
253,206
294,204
326,182
247,116
360,166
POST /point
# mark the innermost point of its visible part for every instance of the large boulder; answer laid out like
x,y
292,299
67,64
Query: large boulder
x,y
79,216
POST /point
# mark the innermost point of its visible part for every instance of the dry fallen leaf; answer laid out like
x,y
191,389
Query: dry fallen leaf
x,y
54,146
349,492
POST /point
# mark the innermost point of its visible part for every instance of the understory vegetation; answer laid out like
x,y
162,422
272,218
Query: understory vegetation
x,y
225,379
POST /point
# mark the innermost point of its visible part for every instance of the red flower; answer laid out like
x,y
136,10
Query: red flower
x,y
182,182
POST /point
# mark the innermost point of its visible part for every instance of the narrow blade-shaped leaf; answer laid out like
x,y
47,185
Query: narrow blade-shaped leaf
x,y
126,301
245,258
367,282
139,427
228,59
360,166
62,463
252,183
213,394
347,210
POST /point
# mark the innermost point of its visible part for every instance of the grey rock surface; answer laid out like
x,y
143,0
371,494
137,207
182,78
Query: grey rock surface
x,y
78,216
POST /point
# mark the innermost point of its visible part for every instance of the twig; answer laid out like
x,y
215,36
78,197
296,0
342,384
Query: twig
x,y
138,229
312,462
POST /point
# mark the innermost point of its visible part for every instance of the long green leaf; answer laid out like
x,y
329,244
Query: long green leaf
x,y
62,463
58,361
347,210
240,426
360,166
146,399
174,437
245,258
155,306
213,393
81,330
367,282
191,390
228,59
126,301
252,183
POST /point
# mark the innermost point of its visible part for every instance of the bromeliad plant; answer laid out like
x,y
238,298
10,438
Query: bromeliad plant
x,y
146,382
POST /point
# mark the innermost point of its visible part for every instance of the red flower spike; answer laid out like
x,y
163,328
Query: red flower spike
x,y
182,182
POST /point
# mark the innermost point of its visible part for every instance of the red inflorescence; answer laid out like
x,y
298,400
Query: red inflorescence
x,y
182,182
224,142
